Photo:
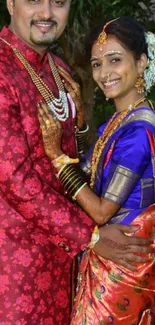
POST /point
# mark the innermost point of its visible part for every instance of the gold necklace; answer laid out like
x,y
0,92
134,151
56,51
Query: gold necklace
x,y
107,133
58,106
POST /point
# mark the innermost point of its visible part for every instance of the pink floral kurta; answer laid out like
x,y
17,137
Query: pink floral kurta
x,y
40,230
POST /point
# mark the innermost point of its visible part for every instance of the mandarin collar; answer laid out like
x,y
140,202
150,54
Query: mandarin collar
x,y
32,56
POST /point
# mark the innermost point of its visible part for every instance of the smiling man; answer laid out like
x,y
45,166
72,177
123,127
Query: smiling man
x,y
40,230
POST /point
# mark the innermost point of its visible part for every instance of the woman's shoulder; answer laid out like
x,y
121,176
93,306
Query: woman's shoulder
x,y
144,117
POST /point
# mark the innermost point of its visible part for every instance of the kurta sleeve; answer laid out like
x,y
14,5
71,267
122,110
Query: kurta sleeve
x,y
26,193
130,158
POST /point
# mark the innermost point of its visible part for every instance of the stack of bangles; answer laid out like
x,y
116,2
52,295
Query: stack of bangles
x,y
80,138
73,184
68,176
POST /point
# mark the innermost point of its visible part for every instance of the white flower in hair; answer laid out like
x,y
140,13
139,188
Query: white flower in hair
x,y
149,73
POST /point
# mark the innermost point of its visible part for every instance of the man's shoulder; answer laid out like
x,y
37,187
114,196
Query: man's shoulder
x,y
60,62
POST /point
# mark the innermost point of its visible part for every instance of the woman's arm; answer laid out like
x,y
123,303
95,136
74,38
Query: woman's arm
x,y
99,209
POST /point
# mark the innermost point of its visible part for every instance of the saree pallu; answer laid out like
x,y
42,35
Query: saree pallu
x,y
111,294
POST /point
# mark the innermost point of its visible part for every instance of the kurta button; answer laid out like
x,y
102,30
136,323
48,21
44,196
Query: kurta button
x,y
67,249
61,244
40,74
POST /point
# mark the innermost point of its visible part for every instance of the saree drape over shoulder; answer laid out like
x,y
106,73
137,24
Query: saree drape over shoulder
x,y
108,293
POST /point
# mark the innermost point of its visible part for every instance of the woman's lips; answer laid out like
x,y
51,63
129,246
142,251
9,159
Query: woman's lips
x,y
110,84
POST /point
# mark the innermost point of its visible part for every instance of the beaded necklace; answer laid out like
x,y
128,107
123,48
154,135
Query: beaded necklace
x,y
58,106
107,133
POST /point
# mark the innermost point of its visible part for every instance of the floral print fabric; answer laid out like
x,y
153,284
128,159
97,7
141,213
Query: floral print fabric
x,y
40,230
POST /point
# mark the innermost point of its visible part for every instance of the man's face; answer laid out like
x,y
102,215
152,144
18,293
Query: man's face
x,y
38,22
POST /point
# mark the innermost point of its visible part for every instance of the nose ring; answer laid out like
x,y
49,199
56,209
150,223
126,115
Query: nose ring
x,y
108,76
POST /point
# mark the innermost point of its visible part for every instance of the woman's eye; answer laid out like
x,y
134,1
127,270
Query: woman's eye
x,y
115,60
96,65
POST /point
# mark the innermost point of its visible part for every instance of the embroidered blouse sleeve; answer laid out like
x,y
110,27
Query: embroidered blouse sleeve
x,y
26,193
129,160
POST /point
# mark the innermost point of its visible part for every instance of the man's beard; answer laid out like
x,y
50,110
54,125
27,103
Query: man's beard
x,y
46,40
42,42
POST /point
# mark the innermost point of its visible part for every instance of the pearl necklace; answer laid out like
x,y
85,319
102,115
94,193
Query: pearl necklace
x,y
113,124
58,106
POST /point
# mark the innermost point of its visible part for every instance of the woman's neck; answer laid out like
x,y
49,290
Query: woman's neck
x,y
122,103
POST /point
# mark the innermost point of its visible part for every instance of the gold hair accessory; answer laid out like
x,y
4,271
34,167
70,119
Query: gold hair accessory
x,y
102,39
140,84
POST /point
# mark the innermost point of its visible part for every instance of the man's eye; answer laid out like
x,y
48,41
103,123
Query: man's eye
x,y
58,2
34,1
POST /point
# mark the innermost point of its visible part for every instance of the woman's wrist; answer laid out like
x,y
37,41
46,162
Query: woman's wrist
x,y
56,155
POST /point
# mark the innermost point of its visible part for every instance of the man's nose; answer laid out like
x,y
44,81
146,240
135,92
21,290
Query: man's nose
x,y
46,11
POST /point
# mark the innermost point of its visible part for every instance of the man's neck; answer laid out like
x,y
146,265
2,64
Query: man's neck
x,y
40,50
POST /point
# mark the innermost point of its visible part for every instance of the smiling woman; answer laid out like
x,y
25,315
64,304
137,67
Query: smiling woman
x,y
121,167
38,22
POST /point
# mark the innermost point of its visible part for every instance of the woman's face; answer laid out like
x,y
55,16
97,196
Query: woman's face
x,y
114,68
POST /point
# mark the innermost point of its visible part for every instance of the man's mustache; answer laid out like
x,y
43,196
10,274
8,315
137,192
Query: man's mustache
x,y
53,22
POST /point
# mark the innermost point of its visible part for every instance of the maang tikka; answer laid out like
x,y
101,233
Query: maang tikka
x,y
102,38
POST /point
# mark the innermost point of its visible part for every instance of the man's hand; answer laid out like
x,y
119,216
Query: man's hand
x,y
114,245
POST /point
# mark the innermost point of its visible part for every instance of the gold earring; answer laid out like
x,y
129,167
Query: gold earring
x,y
140,84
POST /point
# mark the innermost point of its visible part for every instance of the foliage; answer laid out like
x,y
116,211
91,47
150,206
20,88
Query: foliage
x,y
4,16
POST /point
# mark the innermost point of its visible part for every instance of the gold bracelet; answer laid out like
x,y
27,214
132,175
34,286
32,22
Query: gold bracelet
x,y
65,184
59,172
66,177
65,171
76,187
77,192
73,184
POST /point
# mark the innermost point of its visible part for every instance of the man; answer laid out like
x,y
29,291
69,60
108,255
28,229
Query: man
x,y
41,231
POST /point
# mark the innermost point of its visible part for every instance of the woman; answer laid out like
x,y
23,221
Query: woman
x,y
122,175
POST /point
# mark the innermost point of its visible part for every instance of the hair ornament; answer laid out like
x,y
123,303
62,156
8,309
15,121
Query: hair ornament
x,y
102,39
149,73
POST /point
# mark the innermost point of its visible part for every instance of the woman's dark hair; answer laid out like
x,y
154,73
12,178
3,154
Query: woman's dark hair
x,y
128,31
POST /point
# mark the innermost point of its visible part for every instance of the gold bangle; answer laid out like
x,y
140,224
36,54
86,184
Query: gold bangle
x,y
73,184
76,187
63,179
69,180
83,131
66,170
77,192
59,172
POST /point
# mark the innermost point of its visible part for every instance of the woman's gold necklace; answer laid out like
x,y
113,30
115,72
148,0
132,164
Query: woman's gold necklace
x,y
107,133
58,106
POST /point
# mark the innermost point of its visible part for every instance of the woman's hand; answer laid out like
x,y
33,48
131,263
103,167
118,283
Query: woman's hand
x,y
73,89
51,132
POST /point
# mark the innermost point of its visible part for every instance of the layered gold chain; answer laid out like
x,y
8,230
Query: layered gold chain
x,y
58,106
